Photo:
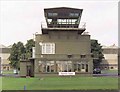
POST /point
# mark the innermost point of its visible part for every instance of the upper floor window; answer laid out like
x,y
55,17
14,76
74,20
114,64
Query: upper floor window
x,y
49,21
48,48
74,14
52,14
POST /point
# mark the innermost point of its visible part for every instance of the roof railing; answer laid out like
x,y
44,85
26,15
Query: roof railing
x,y
45,25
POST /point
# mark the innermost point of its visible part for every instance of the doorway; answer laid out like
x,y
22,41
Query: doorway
x,y
86,67
29,72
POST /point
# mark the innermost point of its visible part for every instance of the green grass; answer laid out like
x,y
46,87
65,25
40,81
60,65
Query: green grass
x,y
8,72
60,83
0,84
110,71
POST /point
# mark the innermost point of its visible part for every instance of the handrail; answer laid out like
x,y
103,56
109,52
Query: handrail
x,y
45,25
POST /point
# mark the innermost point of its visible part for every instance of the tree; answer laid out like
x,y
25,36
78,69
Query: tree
x,y
28,47
19,51
96,50
16,54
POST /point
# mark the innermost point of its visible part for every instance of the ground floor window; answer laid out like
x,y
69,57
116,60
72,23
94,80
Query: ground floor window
x,y
77,67
62,66
112,68
83,67
4,67
46,66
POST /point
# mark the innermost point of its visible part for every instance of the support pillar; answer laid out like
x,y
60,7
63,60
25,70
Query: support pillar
x,y
36,66
72,70
90,66
55,68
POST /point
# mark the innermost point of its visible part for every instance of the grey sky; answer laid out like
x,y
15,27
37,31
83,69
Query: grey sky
x,y
21,19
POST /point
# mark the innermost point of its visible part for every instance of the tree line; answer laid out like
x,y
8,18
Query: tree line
x,y
20,51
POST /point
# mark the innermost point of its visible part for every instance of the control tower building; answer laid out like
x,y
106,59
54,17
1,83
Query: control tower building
x,y
63,46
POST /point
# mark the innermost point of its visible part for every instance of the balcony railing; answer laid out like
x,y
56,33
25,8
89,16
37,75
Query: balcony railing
x,y
45,25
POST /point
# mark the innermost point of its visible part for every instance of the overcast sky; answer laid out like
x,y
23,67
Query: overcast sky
x,y
21,19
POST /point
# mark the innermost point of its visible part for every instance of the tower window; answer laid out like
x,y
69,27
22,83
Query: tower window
x,y
52,14
74,14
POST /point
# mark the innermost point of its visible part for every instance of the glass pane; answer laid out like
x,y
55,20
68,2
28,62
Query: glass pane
x,y
74,14
52,14
49,21
48,48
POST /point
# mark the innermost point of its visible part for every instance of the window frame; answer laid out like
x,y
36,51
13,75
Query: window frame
x,y
48,48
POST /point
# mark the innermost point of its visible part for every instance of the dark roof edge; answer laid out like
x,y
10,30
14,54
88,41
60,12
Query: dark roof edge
x,y
62,8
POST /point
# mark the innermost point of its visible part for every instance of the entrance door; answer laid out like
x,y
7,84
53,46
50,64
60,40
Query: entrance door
x,y
86,67
29,72
48,68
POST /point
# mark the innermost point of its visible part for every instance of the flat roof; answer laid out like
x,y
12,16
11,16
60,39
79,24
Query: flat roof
x,y
62,12
80,30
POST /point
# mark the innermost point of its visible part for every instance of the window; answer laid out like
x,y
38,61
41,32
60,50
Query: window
x,y
74,14
77,67
69,56
48,48
64,66
67,21
4,67
49,21
112,68
83,56
52,14
83,66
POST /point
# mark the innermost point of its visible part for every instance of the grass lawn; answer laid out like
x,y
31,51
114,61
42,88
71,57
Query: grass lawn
x,y
0,84
110,71
60,83
7,72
